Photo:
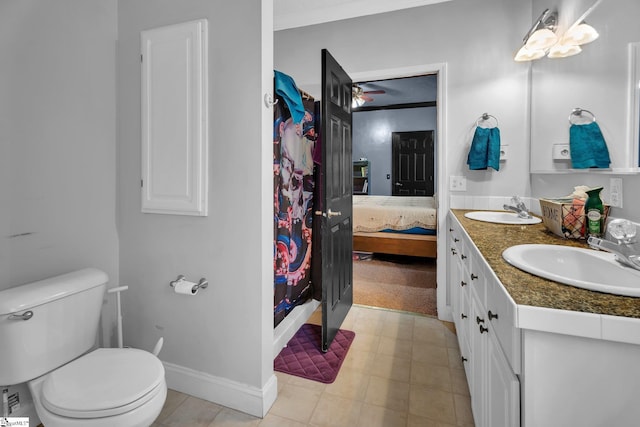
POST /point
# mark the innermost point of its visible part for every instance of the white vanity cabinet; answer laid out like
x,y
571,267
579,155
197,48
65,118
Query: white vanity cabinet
x,y
489,342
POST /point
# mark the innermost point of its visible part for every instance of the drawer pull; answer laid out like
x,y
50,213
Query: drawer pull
x,y
463,256
473,276
464,359
455,239
483,329
491,315
451,230
463,283
479,320
463,316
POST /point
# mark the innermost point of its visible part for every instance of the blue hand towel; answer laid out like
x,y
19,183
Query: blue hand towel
x,y
485,149
588,148
286,87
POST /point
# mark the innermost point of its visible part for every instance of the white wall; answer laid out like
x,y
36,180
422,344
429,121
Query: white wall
x,y
57,140
476,40
218,344
57,145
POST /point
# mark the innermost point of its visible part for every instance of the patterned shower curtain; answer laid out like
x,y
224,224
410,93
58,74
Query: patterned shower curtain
x,y
293,182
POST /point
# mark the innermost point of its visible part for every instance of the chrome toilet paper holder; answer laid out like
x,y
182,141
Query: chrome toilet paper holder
x,y
202,284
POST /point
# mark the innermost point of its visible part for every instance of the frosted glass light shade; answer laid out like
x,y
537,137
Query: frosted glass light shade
x,y
541,39
525,54
580,34
563,51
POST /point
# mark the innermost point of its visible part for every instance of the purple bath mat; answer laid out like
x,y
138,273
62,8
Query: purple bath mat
x,y
303,356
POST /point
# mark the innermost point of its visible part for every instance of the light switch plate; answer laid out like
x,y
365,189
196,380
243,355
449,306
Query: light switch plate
x,y
615,192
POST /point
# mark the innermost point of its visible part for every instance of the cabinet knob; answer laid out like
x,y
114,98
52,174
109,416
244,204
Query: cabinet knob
x,y
479,320
473,276
453,251
463,256
464,359
463,283
455,239
463,316
491,315
483,329
451,230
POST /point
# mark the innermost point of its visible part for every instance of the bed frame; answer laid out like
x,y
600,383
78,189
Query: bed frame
x,y
396,244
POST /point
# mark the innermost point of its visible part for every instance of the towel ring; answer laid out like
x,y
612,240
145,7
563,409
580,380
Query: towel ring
x,y
485,117
578,113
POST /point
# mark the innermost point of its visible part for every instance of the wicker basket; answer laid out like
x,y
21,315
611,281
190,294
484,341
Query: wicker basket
x,y
565,218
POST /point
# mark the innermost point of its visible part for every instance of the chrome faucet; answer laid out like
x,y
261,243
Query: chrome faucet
x,y
518,207
626,249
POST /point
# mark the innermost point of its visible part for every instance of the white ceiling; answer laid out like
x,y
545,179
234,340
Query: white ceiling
x,y
300,13
401,91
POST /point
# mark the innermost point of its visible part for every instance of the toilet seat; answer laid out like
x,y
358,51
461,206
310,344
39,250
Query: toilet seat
x,y
103,383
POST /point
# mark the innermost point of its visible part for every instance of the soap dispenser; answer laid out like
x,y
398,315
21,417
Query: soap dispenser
x,y
594,210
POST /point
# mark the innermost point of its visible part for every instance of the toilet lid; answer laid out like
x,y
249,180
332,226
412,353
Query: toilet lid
x,y
105,382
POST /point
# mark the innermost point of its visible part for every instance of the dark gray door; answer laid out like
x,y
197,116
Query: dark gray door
x,y
336,235
412,163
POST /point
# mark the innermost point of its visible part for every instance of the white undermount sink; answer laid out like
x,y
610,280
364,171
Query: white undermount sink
x,y
501,217
583,268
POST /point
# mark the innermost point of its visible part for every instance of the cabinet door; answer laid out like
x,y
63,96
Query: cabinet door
x,y
478,362
175,119
502,389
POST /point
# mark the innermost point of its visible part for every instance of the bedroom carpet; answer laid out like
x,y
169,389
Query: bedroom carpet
x,y
395,282
303,356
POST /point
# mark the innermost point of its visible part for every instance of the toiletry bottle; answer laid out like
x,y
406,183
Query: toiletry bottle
x,y
594,211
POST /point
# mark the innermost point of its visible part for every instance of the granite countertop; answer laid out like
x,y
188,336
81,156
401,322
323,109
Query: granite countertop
x,y
527,289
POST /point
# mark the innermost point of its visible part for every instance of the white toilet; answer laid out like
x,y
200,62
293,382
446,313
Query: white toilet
x,y
46,329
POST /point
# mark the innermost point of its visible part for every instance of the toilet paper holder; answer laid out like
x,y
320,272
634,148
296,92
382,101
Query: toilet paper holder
x,y
203,283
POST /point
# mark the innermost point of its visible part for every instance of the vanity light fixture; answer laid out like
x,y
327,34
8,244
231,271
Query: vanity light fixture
x,y
541,39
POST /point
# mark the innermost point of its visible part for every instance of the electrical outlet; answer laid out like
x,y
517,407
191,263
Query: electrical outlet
x,y
615,192
457,183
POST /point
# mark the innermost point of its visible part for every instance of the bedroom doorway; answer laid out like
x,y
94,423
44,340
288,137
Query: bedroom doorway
x,y
396,125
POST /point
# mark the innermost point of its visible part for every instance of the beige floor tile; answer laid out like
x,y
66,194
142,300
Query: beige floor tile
x,y
305,383
429,353
432,404
416,421
464,416
272,420
365,342
377,416
193,412
429,333
395,347
296,403
349,384
388,393
393,368
459,383
230,418
335,411
433,376
173,400
358,360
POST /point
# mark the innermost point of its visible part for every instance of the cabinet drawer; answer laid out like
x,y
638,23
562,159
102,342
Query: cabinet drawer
x,y
501,312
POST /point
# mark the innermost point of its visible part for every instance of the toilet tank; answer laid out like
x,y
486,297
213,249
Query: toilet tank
x,y
66,314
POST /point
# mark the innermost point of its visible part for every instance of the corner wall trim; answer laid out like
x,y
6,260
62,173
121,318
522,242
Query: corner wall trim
x,y
241,397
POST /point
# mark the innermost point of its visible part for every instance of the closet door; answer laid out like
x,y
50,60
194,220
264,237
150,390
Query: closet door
x,y
337,228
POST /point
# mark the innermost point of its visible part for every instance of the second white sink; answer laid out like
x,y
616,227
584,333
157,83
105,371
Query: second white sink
x,y
583,268
501,217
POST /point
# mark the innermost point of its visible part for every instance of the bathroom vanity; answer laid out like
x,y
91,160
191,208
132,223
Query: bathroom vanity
x,y
536,352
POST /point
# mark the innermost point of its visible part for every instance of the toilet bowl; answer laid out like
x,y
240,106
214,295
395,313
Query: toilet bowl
x,y
47,339
106,387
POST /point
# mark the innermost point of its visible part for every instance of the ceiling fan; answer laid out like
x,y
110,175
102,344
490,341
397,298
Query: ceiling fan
x,y
360,96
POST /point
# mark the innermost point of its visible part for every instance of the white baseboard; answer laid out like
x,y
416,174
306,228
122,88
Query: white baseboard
x,y
288,327
241,397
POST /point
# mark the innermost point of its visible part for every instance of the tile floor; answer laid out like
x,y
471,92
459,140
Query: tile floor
x,y
401,370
